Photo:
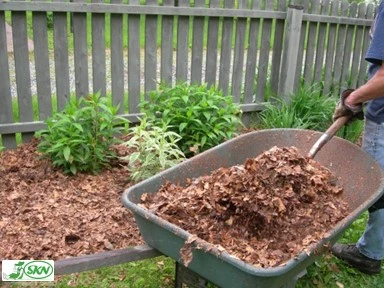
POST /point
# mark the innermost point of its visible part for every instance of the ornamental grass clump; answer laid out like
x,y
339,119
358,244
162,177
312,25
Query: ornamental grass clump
x,y
308,109
154,150
79,138
202,116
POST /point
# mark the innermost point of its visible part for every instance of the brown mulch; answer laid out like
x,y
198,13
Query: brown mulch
x,y
263,212
45,214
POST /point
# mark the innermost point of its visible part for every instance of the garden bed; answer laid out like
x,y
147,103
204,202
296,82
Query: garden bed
x,y
45,214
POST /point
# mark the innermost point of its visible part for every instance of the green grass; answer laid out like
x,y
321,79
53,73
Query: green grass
x,y
157,272
152,273
330,272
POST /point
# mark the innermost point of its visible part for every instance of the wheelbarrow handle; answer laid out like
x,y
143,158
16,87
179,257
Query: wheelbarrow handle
x,y
327,135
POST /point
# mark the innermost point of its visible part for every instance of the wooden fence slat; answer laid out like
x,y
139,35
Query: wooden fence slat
x,y
60,47
213,36
340,52
358,53
277,49
226,50
197,46
320,50
43,78
330,53
98,52
291,50
150,68
6,111
300,56
311,44
253,43
182,46
80,43
262,70
238,54
23,74
134,61
167,46
366,41
345,74
117,59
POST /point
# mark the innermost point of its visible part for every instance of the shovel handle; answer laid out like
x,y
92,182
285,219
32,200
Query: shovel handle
x,y
327,135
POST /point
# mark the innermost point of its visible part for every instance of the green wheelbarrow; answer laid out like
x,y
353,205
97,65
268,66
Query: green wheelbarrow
x,y
359,175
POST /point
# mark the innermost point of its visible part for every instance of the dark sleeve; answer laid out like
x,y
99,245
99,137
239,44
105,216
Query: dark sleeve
x,y
375,53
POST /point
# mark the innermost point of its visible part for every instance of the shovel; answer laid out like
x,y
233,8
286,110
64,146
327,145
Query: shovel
x,y
327,135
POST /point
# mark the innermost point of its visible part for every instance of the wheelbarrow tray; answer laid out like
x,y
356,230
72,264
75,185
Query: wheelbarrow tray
x,y
359,175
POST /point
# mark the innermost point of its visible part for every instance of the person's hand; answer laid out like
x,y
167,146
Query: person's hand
x,y
343,109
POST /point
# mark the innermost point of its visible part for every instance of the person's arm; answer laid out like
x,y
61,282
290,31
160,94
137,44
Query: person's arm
x,y
374,88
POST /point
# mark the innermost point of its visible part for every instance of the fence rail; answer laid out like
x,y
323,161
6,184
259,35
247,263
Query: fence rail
x,y
248,49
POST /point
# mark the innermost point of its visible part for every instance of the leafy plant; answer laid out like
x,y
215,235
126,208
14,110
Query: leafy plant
x,y
308,109
80,137
155,149
202,116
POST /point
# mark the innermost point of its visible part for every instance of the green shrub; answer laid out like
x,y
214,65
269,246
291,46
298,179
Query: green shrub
x,y
155,149
308,109
202,116
79,138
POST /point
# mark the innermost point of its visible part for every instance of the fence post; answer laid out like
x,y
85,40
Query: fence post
x,y
290,51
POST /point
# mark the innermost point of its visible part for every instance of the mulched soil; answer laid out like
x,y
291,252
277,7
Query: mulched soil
x,y
45,214
263,212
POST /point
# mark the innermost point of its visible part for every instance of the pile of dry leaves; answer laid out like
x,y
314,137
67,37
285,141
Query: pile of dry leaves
x,y
45,214
264,212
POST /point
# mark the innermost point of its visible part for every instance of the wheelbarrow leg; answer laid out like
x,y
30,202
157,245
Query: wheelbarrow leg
x,y
292,282
188,277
